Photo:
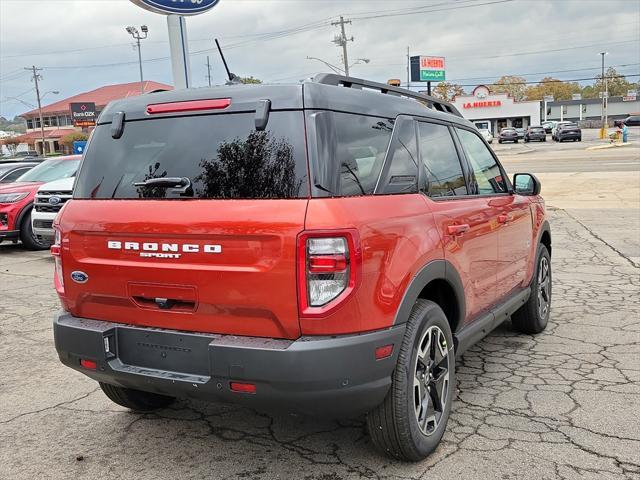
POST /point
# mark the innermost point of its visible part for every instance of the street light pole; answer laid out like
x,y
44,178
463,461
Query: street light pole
x,y
603,114
133,31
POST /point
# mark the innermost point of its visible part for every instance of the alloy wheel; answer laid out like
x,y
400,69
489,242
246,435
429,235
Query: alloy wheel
x,y
431,379
544,285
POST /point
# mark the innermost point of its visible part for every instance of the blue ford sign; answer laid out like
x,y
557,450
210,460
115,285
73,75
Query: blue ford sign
x,y
177,7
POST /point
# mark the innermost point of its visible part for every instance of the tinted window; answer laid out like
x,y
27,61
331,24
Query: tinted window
x,y
401,169
222,155
13,176
350,152
488,177
51,170
440,161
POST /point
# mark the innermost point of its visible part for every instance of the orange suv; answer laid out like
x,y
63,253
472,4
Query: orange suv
x,y
326,248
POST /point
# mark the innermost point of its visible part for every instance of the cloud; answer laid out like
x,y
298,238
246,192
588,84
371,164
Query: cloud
x,y
73,40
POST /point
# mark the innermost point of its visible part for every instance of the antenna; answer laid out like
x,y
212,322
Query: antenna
x,y
231,76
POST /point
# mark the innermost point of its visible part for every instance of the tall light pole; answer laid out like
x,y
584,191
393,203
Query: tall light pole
x,y
133,31
603,114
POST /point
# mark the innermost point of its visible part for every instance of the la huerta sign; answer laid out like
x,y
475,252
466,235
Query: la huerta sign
x,y
83,114
427,69
177,7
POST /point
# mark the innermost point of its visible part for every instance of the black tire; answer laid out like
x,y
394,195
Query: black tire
x,y
531,318
28,238
499,141
135,399
393,425
515,141
544,139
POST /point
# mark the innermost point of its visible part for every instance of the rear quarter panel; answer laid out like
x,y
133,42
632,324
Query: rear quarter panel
x,y
397,236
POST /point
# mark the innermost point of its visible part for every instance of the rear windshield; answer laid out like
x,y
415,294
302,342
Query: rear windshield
x,y
223,156
51,170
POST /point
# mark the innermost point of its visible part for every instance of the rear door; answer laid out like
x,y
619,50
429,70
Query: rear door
x,y
513,221
216,256
467,223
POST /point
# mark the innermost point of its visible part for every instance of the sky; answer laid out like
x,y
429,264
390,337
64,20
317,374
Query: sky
x,y
81,45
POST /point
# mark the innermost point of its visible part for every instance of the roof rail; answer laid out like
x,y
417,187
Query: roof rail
x,y
350,82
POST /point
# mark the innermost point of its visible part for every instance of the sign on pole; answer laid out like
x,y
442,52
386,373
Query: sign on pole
x,y
83,114
427,69
175,10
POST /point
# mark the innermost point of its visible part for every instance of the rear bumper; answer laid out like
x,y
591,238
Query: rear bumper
x,y
329,376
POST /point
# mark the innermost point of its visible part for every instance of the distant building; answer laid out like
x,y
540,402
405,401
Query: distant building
x,y
590,109
495,111
57,116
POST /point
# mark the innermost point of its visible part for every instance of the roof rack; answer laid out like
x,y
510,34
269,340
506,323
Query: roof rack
x,y
350,82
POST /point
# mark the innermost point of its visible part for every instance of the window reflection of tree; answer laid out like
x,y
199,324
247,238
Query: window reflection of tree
x,y
153,192
258,167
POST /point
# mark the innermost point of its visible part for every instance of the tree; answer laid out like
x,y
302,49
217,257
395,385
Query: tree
x,y
68,139
447,91
11,143
550,86
617,85
250,80
512,85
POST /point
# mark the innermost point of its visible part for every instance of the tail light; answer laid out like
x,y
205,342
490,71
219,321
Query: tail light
x,y
56,249
329,269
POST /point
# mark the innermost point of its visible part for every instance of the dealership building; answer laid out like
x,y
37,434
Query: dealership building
x,y
57,116
495,111
589,110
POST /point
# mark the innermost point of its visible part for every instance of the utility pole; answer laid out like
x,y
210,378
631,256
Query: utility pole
x,y
208,70
603,114
408,69
35,78
341,40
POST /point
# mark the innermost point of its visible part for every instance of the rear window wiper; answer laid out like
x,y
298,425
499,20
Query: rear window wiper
x,y
182,184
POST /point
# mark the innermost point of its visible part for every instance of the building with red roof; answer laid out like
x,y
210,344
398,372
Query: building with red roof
x,y
57,116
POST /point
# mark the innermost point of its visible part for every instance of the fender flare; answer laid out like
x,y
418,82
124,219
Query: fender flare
x,y
26,210
434,270
545,227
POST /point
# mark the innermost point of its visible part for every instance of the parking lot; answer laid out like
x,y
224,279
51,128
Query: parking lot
x,y
563,404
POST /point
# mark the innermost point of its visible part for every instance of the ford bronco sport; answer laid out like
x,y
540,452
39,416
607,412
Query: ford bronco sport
x,y
325,248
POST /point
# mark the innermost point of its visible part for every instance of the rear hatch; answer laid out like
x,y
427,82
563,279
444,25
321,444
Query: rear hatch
x,y
212,246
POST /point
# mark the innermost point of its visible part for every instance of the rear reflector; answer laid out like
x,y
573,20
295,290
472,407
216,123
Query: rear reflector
x,y
89,364
243,387
55,250
191,106
384,352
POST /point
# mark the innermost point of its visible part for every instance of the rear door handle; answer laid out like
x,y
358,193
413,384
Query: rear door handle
x,y
504,218
456,230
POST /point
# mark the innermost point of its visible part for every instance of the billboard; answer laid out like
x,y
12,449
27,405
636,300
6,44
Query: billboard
x,y
427,69
83,114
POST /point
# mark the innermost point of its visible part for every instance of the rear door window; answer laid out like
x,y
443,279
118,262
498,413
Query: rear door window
x,y
439,161
223,156
488,177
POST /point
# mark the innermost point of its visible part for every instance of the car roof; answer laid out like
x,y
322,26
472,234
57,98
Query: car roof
x,y
321,93
14,165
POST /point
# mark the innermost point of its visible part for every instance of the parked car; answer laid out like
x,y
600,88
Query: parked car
x,y
548,126
555,129
486,134
632,121
520,132
300,258
9,172
16,199
50,199
568,131
535,133
26,154
508,134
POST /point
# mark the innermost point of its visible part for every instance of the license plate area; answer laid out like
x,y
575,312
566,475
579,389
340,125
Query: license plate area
x,y
164,350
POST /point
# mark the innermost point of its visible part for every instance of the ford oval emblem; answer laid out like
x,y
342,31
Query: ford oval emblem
x,y
181,7
54,200
79,277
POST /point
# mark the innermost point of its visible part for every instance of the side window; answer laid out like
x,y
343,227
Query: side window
x,y
361,148
440,162
487,174
14,175
401,169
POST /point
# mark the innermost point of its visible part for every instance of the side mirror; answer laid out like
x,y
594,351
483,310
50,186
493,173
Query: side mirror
x,y
526,184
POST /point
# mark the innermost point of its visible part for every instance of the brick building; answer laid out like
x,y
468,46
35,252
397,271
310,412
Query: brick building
x,y
57,117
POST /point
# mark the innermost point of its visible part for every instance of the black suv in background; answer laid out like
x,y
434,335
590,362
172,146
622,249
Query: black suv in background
x,y
535,133
508,134
568,131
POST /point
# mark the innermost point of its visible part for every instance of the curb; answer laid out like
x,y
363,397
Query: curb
x,y
610,145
